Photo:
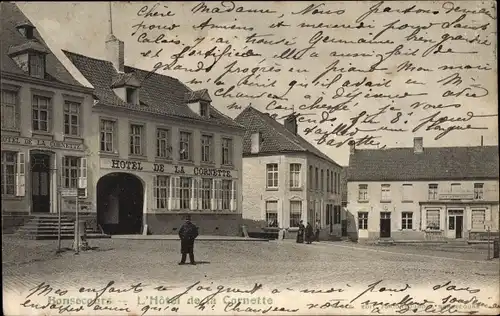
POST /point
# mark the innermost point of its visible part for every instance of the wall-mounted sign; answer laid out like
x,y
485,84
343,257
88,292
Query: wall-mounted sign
x,y
69,192
18,140
146,166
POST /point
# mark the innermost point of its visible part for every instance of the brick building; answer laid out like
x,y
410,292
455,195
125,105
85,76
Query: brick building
x,y
158,150
45,116
285,178
423,193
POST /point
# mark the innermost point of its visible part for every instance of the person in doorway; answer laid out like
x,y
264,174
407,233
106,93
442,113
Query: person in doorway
x,y
300,233
317,230
188,233
309,233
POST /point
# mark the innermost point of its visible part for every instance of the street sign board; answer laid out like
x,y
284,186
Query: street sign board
x,y
65,192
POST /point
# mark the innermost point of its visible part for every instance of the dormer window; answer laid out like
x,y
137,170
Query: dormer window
x,y
204,109
132,95
37,65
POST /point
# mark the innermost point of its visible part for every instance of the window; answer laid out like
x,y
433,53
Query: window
x,y
132,96
272,213
37,65
478,219
322,180
327,180
227,151
10,115
206,193
335,182
226,194
8,173
433,191
363,192
385,192
407,192
41,108
70,172
162,191
204,109
272,176
185,192
107,135
185,146
336,214
162,143
206,148
433,222
310,177
478,191
295,175
72,118
328,214
362,220
136,139
295,213
455,188
316,178
407,220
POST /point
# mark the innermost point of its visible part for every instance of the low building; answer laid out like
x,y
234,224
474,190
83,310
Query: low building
x,y
158,150
285,178
423,193
45,123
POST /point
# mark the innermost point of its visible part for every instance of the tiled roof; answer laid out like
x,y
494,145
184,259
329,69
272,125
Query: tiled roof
x,y
198,95
158,93
275,137
434,163
12,39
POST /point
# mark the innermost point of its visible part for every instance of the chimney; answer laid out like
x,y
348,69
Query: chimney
x,y
352,147
418,145
115,49
255,143
291,123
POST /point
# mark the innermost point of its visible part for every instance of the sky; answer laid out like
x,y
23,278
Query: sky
x,y
83,27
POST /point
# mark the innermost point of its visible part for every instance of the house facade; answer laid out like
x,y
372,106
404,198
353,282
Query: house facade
x,y
158,150
45,123
286,179
423,193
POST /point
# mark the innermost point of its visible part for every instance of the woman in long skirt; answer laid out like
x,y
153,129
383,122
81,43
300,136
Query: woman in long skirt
x,y
300,233
309,233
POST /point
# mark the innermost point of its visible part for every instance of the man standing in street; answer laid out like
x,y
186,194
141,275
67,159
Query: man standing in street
x,y
188,233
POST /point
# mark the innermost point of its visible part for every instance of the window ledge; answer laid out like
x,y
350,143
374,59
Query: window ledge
x,y
433,230
12,197
207,164
73,138
271,189
163,160
407,201
137,157
41,133
296,189
227,166
185,162
109,154
15,131
363,201
385,201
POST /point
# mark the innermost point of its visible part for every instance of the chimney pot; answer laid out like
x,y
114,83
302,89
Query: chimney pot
x,y
418,144
352,147
255,143
291,123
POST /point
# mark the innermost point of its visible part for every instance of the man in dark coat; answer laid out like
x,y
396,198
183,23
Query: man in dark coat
x,y
300,233
188,233
309,233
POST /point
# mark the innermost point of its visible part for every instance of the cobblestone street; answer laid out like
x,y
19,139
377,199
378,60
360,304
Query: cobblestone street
x,y
273,263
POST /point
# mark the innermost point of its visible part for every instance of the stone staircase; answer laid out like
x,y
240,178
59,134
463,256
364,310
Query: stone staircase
x,y
46,227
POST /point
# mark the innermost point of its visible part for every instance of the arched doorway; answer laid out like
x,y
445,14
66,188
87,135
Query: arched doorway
x,y
120,199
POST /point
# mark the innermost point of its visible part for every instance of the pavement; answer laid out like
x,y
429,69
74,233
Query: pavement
x,y
175,237
275,264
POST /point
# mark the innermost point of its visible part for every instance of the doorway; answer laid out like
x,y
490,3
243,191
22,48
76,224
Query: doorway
x,y
455,224
40,182
120,202
385,224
